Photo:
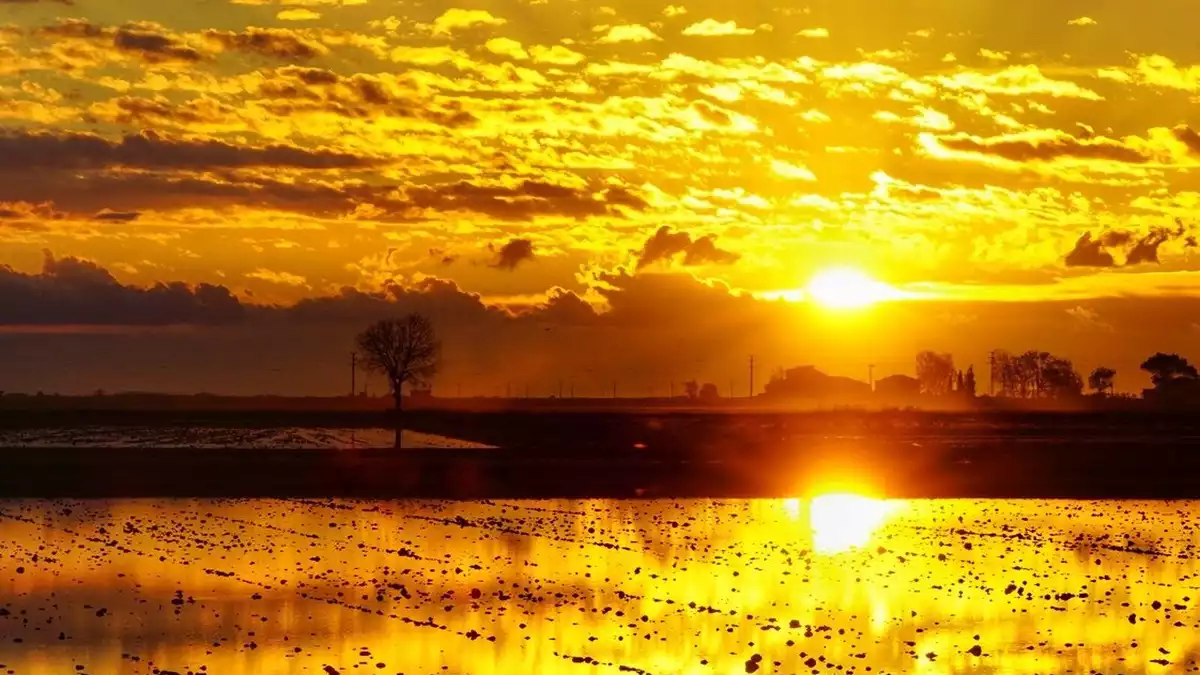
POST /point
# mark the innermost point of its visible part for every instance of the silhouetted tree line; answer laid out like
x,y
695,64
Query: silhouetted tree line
x,y
938,377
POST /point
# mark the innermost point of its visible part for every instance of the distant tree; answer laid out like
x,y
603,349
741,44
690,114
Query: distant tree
x,y
1166,368
935,372
960,384
404,350
709,392
691,389
969,382
1034,374
1101,380
1059,380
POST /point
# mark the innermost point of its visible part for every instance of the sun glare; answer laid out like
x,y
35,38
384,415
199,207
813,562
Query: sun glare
x,y
847,288
841,522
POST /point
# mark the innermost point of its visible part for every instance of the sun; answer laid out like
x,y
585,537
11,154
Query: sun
x,y
847,288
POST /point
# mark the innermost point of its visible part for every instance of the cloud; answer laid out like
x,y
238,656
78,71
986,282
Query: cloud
x,y
515,252
71,291
714,28
279,43
20,210
281,278
1082,21
672,11
665,244
455,19
629,33
25,151
1159,71
117,216
1043,146
298,14
34,2
557,55
146,40
297,89
506,47
1188,137
815,33
1014,81
792,171
522,201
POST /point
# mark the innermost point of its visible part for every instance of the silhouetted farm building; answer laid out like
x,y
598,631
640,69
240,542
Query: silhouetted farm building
x,y
898,388
808,383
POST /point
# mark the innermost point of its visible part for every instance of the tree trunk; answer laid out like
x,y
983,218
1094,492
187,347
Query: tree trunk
x,y
398,397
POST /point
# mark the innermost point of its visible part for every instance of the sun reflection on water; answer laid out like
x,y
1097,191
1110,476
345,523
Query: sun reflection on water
x,y
845,521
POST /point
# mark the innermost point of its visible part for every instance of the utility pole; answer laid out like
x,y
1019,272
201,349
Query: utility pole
x,y
353,374
507,390
871,375
560,389
751,376
992,373
614,388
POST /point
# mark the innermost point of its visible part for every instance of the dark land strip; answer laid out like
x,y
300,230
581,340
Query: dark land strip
x,y
637,454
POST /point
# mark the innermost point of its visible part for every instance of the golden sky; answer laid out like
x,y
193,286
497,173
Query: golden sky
x,y
528,151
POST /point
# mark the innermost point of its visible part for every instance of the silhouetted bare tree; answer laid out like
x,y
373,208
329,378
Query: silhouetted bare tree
x,y
935,373
1101,380
403,350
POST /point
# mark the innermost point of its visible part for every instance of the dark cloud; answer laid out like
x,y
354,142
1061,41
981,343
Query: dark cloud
x,y
1043,149
118,216
519,202
152,45
279,43
297,89
515,252
147,113
1146,248
70,291
148,41
1089,252
26,150
76,29
1188,137
665,244
88,192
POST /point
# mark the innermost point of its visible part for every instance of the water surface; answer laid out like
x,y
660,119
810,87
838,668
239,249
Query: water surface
x,y
837,584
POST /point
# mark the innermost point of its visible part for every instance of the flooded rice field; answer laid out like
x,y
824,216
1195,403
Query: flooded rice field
x,y
834,584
